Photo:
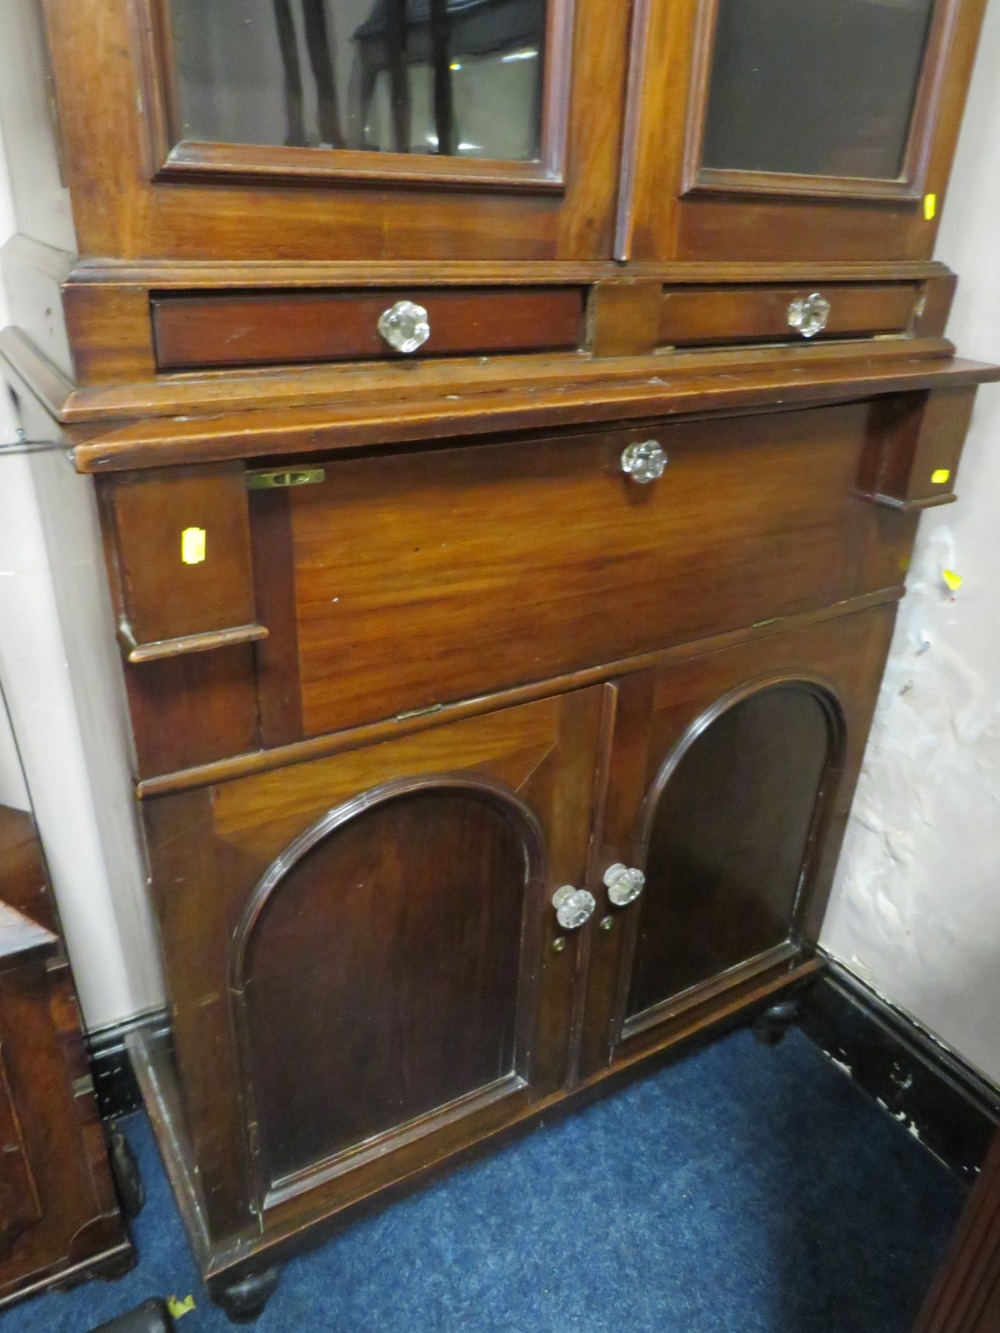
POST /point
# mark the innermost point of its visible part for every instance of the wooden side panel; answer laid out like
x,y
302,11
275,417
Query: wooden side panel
x,y
912,462
20,1205
190,710
427,578
182,551
434,888
58,1201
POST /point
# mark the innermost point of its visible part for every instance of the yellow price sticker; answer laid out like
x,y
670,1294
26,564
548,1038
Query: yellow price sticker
x,y
930,207
940,475
193,546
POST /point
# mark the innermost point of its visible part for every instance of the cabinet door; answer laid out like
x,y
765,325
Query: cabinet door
x,y
359,952
365,129
793,129
729,783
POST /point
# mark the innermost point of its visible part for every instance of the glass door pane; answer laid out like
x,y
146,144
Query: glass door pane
x,y
461,78
814,87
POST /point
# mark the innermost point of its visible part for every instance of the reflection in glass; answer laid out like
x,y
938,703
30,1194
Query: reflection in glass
x,y
814,87
456,77
727,842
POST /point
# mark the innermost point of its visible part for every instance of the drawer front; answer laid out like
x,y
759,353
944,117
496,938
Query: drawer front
x,y
430,577
192,332
693,316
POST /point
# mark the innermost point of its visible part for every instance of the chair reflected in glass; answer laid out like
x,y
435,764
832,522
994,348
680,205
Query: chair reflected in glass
x,y
449,77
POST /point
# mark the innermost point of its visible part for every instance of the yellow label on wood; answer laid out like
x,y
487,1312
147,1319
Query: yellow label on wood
x,y
193,546
940,476
930,206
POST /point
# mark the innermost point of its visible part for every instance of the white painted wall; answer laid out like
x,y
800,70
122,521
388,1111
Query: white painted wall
x,y
59,677
916,907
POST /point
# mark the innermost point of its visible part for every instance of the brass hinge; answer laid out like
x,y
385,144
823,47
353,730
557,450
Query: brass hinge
x,y
273,481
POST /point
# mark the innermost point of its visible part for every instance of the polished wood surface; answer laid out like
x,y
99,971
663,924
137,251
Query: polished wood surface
x,y
699,316
724,831
445,1029
212,849
267,760
59,1216
750,216
723,890
241,330
450,660
401,564
248,204
464,405
166,591
965,1297
916,464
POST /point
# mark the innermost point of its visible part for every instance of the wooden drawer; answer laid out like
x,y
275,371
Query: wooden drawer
x,y
429,577
693,316
256,329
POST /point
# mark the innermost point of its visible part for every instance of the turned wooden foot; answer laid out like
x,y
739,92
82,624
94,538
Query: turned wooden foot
x,y
242,1302
770,1026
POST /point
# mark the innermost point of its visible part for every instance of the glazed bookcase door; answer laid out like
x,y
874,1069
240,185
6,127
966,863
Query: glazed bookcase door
x,y
812,130
729,782
359,951
361,129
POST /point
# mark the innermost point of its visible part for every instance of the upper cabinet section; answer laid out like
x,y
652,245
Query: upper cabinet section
x,y
343,129
792,129
510,130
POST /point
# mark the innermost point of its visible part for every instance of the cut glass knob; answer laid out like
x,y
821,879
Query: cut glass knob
x,y
404,326
573,907
809,314
644,462
624,884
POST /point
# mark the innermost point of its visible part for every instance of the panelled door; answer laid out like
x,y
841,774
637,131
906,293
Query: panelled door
x,y
361,951
792,129
362,130
729,781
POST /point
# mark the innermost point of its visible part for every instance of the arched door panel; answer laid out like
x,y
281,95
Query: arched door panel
x,y
727,829
381,977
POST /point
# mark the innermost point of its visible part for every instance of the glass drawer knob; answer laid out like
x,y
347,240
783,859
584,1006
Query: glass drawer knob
x,y
404,326
644,462
809,314
574,907
624,884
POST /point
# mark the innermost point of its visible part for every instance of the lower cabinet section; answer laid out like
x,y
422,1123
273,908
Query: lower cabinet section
x,y
380,957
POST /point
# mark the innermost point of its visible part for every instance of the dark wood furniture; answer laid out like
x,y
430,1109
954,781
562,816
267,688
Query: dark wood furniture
x,y
965,1297
59,1217
504,534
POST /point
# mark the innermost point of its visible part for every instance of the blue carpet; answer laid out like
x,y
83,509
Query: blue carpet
x,y
740,1190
